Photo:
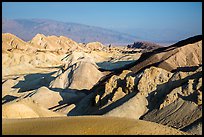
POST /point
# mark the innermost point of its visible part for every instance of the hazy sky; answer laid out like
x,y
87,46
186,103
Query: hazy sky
x,y
132,17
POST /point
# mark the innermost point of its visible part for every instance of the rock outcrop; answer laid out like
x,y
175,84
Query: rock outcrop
x,y
146,46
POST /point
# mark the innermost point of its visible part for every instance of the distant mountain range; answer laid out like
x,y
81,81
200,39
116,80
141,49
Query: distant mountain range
x,y
26,29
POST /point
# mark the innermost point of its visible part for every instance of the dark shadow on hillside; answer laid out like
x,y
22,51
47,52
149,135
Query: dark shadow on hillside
x,y
109,66
34,81
186,68
145,56
84,91
8,98
131,52
37,80
53,67
87,106
192,125
69,96
156,97
115,104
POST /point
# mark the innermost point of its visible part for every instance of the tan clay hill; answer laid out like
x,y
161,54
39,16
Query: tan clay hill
x,y
94,46
54,43
52,76
48,51
76,77
30,110
172,57
10,42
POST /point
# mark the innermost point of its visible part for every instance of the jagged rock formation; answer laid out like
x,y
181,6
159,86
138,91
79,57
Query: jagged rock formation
x,y
115,88
182,94
146,46
166,92
152,78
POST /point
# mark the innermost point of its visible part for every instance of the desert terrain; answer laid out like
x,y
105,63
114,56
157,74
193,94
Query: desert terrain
x,y
86,125
54,85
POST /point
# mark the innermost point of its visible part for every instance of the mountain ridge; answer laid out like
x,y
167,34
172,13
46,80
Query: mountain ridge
x,y
76,31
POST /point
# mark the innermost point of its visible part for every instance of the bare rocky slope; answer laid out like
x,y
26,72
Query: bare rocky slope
x,y
126,94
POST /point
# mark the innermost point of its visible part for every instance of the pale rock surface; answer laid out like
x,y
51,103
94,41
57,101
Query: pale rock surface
x,y
133,108
94,46
174,57
54,43
77,77
151,78
10,42
26,108
49,98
